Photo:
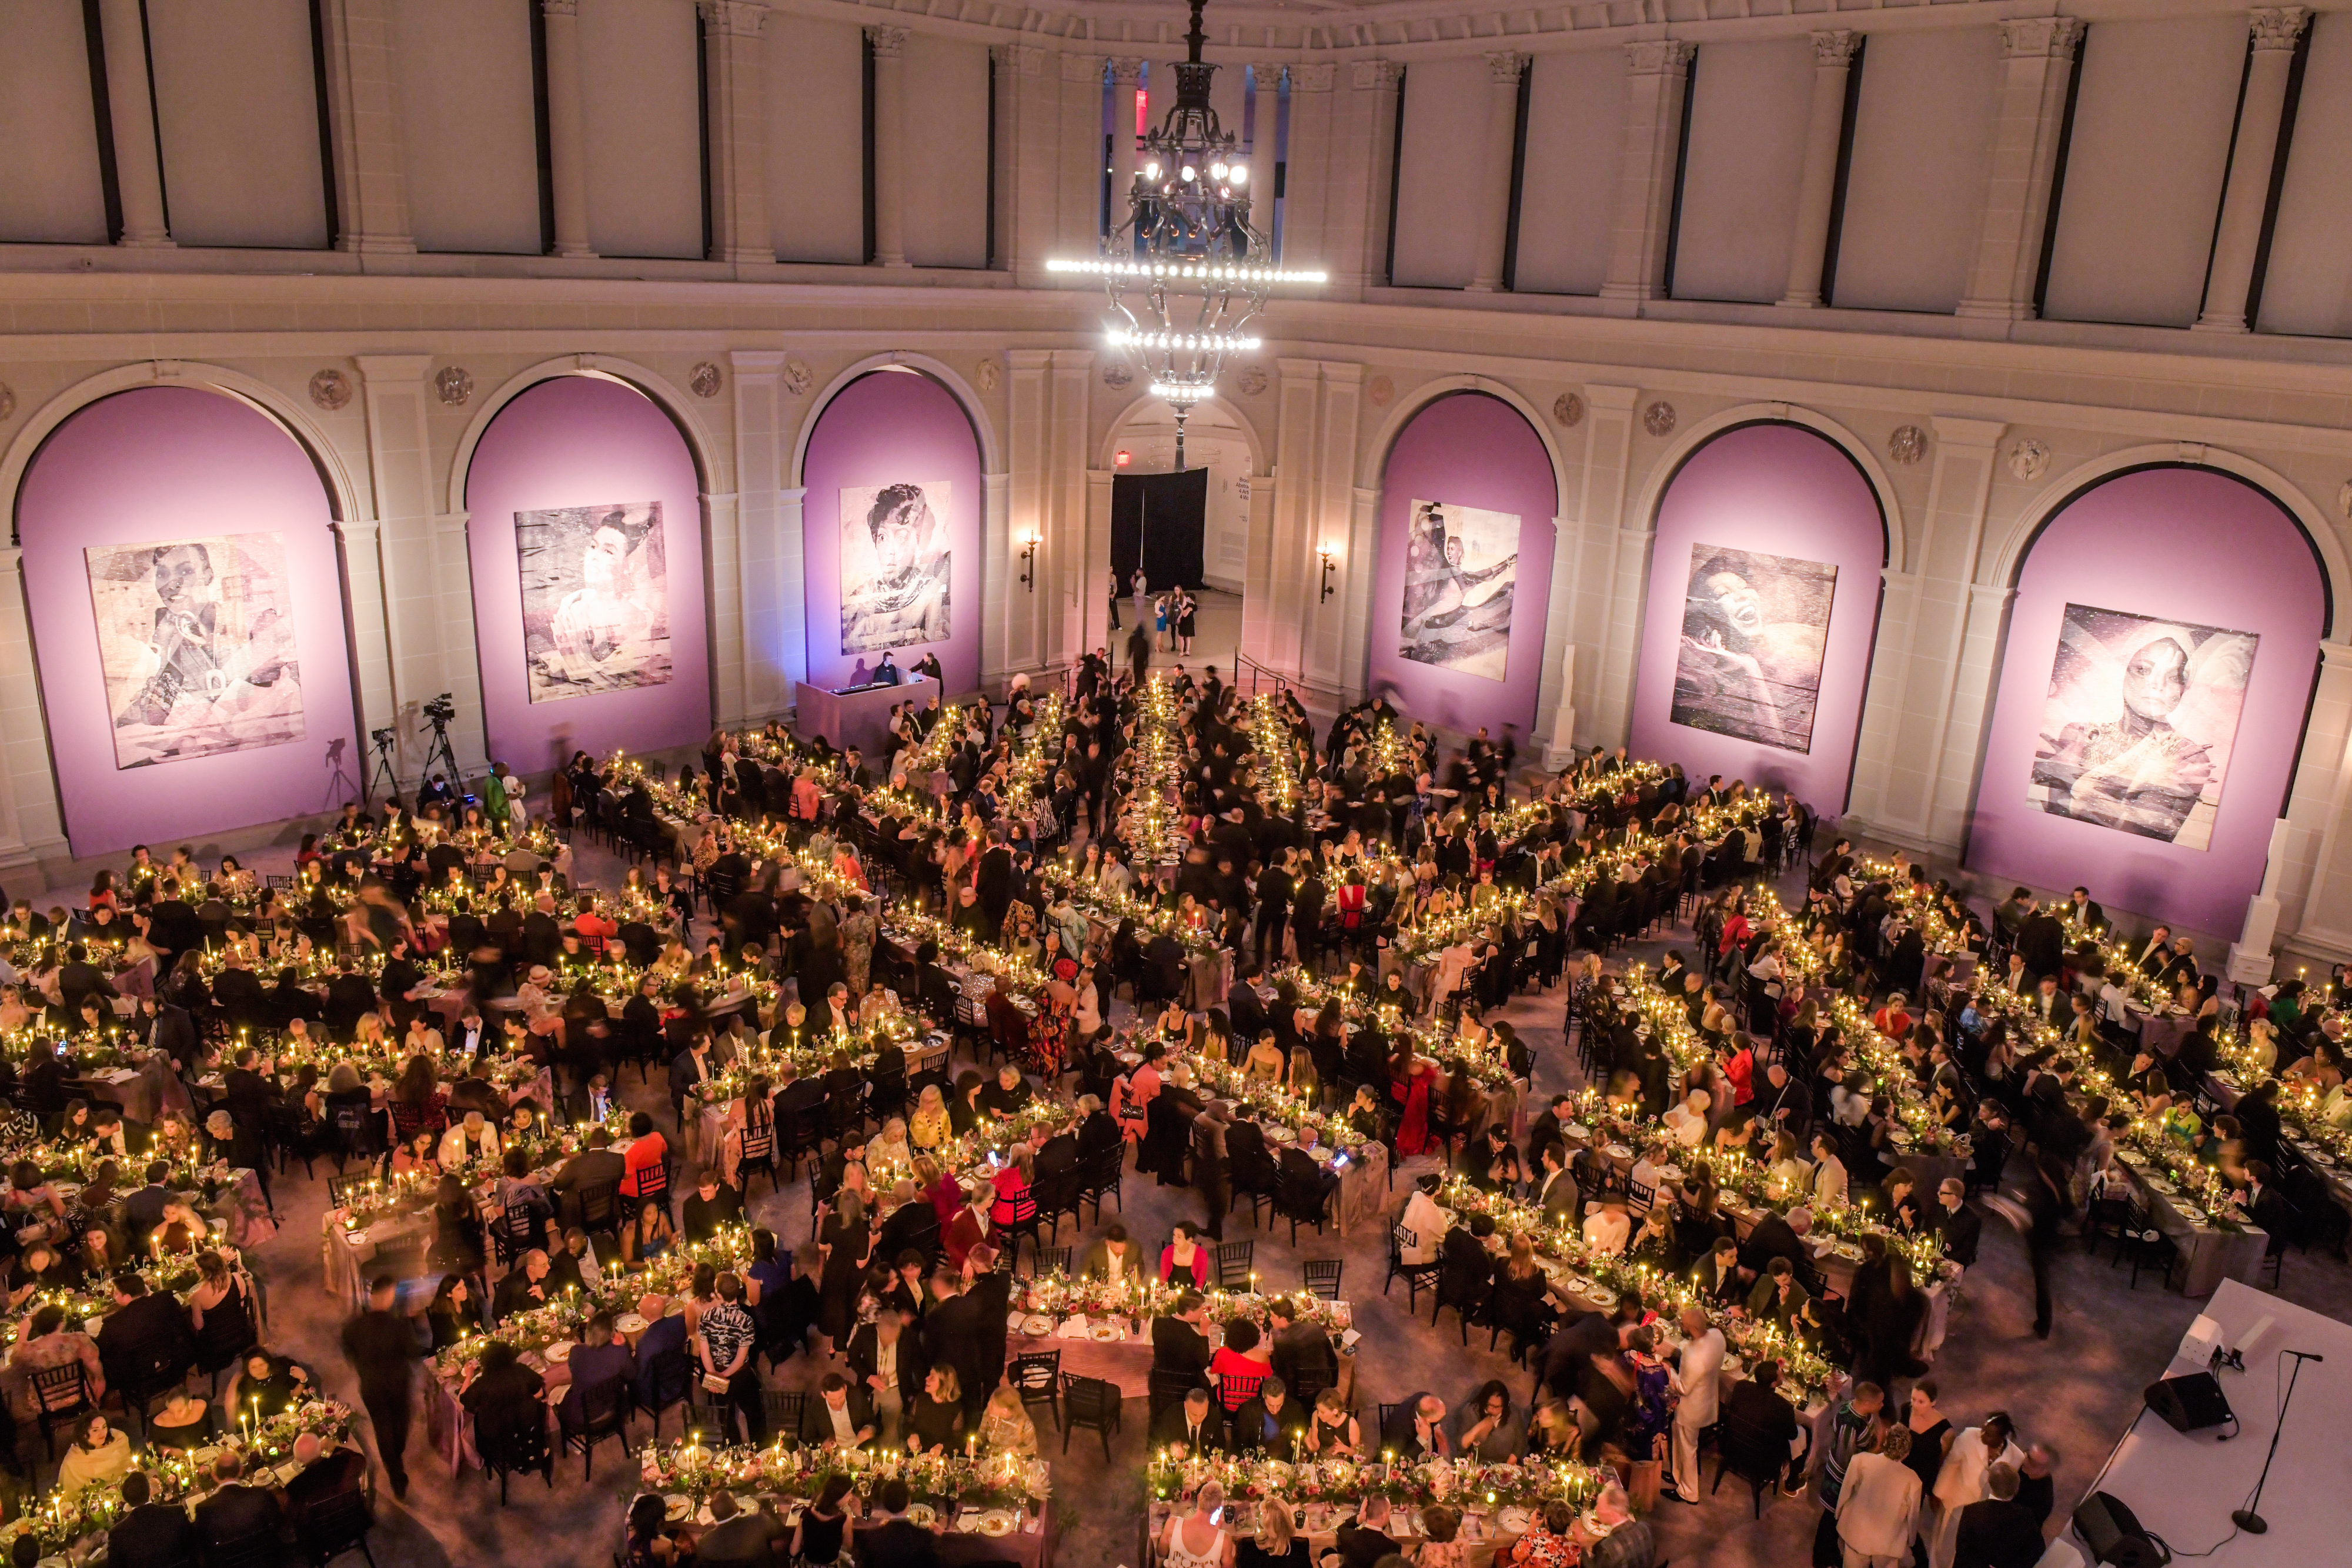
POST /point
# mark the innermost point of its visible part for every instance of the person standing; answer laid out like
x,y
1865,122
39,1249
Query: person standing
x,y
1142,598
1114,601
381,1345
1700,1375
1878,1508
1139,645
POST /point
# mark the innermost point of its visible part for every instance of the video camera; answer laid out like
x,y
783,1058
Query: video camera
x,y
442,709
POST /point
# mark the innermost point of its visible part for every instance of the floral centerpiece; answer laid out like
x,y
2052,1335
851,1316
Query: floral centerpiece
x,y
973,1478
1421,1483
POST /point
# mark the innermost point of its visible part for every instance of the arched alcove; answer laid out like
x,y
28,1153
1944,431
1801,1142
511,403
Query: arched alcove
x,y
2184,556
1461,654
1215,438
891,428
1790,515
242,711
589,621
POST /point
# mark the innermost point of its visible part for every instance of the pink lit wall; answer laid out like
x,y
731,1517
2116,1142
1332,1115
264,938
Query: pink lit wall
x,y
581,440
2230,557
1466,450
1778,489
882,429
173,463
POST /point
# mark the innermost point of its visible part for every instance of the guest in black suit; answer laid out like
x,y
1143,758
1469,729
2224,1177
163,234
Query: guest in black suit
x,y
235,1513
147,1339
1196,1423
148,1534
1961,1226
892,1542
1178,1343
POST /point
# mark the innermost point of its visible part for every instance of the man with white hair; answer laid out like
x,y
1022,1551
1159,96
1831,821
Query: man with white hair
x,y
1688,1120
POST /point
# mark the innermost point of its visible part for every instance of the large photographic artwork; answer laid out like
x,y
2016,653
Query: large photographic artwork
x,y
1461,567
196,646
2141,716
596,599
893,565
1754,628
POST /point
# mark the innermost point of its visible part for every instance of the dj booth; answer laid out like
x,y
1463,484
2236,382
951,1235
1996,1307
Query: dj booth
x,y
858,716
2182,1485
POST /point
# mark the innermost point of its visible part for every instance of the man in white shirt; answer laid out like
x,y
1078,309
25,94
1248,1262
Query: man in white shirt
x,y
1424,1218
1699,1378
1607,1230
1688,1120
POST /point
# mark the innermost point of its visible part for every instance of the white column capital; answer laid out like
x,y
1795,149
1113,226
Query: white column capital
x,y
1126,70
1954,431
1312,77
1375,76
1504,66
742,19
889,43
1268,72
2028,36
559,8
1021,59
1660,57
1836,46
1082,68
2277,26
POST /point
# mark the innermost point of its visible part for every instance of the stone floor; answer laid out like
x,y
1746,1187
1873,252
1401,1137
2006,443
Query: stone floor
x,y
2077,1392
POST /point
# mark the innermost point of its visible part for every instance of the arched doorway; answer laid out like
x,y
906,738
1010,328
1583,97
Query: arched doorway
x,y
1462,589
1216,441
1762,609
584,534
188,619
2155,680
891,531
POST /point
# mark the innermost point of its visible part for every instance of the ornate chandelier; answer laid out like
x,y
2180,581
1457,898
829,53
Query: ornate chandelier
x,y
1187,272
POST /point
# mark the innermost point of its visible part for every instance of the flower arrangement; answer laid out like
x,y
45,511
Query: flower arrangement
x,y
695,1469
1057,1294
1419,1483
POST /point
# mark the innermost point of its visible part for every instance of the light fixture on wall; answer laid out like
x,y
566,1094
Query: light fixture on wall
x,y
1187,271
1327,552
1029,561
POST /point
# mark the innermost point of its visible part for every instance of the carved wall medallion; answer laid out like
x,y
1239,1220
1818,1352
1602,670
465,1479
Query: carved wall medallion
x,y
1380,389
2029,458
1907,445
1119,378
7,399
1568,409
796,377
706,379
2343,495
988,375
1253,381
331,389
1658,419
453,385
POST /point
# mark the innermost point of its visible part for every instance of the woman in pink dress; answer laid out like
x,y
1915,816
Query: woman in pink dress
x,y
1409,1081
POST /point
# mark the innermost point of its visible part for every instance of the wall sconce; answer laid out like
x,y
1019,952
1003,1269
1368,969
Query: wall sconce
x,y
1326,552
1029,561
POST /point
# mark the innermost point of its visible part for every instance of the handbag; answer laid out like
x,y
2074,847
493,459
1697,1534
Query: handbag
x,y
712,1383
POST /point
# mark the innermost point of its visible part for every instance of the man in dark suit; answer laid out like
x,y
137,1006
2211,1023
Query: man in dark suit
x,y
842,1415
1300,1167
1178,1343
143,1211
146,1342
79,979
591,1167
1299,1348
892,1542
1961,1226
148,1534
325,1475
2041,941
886,1362
602,1354
1196,1423
1364,1540
2081,906
1267,1423
2000,1531
712,1207
665,1335
236,1512
351,997
741,1540
1556,1194
1772,1238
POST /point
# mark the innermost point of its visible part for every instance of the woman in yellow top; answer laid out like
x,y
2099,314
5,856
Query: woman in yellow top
x,y
930,1127
100,1454
1005,1426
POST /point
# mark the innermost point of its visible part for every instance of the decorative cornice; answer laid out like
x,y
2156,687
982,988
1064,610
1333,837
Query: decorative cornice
x,y
736,18
1836,46
1315,77
2026,38
889,43
1374,76
2277,27
1504,66
1660,57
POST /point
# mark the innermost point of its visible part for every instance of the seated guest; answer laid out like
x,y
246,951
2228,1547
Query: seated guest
x,y
1364,1540
1420,1429
935,1421
1185,1255
1113,1257
602,1355
237,1513
712,1207
1268,1422
326,1474
98,1454
146,1337
509,1404
1195,1425
1178,1343
152,1534
750,1540
1755,1403
841,1415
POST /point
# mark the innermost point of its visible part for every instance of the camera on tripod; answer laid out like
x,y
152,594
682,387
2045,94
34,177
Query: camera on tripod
x,y
441,709
382,738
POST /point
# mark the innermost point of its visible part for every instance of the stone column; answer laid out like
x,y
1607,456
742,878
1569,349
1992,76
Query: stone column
x,y
2037,69
1333,517
1824,129
2316,894
1008,637
763,660
131,118
32,829
1356,244
1504,69
735,66
1314,177
2247,195
360,546
889,46
1126,80
1659,69
1601,673
363,114
567,136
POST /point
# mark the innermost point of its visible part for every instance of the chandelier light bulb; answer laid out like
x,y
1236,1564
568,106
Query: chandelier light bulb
x,y
1151,170
1238,174
1217,169
1189,174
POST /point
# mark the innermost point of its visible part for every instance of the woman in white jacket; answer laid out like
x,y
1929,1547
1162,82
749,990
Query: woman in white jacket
x,y
1879,1507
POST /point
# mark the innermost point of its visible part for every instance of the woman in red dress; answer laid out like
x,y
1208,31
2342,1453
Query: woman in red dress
x,y
1409,1083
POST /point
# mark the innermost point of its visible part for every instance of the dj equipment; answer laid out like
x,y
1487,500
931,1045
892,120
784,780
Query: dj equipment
x,y
2111,1532
2190,1403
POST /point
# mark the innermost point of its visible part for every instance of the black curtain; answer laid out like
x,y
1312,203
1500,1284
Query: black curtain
x,y
1159,519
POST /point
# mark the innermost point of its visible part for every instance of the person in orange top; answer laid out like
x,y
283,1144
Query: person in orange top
x,y
1893,1019
595,927
647,1153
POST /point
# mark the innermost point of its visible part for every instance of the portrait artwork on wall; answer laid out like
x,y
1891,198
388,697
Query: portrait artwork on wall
x,y
895,561
1754,630
195,642
2141,716
596,599
1461,567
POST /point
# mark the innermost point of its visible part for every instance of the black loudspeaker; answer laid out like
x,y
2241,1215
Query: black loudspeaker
x,y
2189,1403
2111,1532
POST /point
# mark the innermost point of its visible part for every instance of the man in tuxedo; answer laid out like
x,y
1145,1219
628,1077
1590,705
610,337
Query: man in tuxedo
x,y
1196,1424
842,1416
893,1542
1179,1346
148,1534
1773,1236
2082,907
1960,1227
591,1167
2157,952
1556,1194
1299,1348
143,1211
326,1474
2041,940
1998,1532
886,1362
1364,1540
146,1341
236,1512
2046,1005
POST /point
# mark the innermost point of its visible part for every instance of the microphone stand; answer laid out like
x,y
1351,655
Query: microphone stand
x,y
2245,1518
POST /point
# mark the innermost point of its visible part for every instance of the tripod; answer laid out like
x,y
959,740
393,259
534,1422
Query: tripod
x,y
2246,1518
382,740
439,748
